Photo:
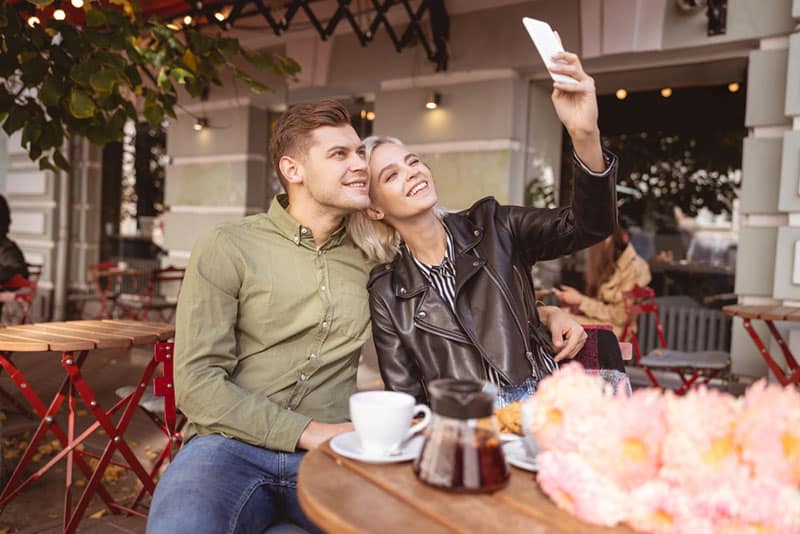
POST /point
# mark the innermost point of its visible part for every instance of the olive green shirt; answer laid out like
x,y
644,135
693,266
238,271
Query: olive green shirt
x,y
269,330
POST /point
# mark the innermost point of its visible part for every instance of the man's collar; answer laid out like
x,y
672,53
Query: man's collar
x,y
291,229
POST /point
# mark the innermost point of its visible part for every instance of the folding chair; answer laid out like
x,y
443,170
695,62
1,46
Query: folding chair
x,y
160,295
20,292
703,365
163,414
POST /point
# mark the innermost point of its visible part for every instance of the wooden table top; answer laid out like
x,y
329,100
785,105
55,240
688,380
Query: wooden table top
x,y
767,313
82,335
342,495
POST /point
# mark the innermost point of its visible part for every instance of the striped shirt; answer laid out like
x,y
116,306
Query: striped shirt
x,y
443,279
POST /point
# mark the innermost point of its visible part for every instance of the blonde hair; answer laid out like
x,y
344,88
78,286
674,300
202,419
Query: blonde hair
x,y
379,241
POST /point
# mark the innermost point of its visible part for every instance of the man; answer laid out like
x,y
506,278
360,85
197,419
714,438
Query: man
x,y
271,318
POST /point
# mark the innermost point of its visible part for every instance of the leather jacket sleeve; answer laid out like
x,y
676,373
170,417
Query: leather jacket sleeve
x,y
546,234
398,369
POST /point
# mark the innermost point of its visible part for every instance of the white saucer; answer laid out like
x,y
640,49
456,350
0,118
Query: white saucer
x,y
349,446
518,457
505,437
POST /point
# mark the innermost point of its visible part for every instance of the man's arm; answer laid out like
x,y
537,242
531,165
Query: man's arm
x,y
206,355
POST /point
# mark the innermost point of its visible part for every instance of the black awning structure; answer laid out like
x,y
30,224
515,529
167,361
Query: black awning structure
x,y
280,15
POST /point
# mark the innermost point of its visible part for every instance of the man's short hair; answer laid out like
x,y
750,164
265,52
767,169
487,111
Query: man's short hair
x,y
292,133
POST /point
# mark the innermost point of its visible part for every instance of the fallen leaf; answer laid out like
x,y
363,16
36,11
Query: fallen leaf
x,y
52,515
151,454
81,413
98,514
78,484
133,443
37,457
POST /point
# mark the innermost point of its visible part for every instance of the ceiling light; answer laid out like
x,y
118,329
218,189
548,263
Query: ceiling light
x,y
77,4
200,123
622,94
33,21
59,14
363,113
666,92
219,16
187,19
733,87
174,27
433,100
370,115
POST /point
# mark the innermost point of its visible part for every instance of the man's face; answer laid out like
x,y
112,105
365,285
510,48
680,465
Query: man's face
x,y
334,169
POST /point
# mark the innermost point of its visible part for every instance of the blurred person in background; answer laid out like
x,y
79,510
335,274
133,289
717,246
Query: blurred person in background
x,y
612,268
12,261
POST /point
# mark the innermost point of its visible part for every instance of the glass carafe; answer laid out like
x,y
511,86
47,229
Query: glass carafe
x,y
462,449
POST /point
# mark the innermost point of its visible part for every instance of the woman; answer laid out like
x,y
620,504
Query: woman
x,y
453,297
612,268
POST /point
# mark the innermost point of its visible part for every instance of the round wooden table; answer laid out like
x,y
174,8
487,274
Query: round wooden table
x,y
342,495
74,340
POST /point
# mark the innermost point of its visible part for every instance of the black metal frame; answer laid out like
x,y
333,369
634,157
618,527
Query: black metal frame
x,y
436,50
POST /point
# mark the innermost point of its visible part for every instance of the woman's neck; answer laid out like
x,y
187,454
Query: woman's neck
x,y
425,237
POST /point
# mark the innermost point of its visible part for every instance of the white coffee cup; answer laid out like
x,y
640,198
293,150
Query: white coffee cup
x,y
382,419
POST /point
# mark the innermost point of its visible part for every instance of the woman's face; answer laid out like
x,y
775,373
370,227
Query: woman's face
x,y
401,186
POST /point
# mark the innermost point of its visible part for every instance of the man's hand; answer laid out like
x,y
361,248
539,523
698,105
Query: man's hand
x,y
576,106
568,335
316,433
568,295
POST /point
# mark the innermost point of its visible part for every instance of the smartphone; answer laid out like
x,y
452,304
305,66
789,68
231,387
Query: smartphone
x,y
547,44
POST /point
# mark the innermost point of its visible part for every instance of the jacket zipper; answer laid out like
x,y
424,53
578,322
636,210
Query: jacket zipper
x,y
504,291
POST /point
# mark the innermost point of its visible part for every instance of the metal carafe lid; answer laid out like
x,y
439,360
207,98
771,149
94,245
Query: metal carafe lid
x,y
462,399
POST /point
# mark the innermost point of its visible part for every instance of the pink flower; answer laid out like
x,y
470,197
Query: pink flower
x,y
752,505
582,491
566,408
699,450
661,508
768,432
626,445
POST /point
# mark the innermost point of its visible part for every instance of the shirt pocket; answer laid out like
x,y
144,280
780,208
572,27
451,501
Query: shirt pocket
x,y
351,309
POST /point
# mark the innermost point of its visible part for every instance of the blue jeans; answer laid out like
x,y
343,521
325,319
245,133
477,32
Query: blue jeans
x,y
508,394
220,485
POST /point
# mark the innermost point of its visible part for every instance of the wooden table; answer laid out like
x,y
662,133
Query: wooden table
x,y
342,495
74,340
770,314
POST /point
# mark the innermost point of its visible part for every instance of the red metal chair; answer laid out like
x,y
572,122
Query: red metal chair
x,y
19,292
163,414
703,365
159,296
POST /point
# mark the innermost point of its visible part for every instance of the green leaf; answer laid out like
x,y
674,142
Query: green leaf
x,y
34,151
32,132
60,160
95,18
41,3
163,80
115,125
153,113
3,15
182,75
104,80
15,120
45,165
34,70
52,136
190,60
82,73
51,91
6,100
81,105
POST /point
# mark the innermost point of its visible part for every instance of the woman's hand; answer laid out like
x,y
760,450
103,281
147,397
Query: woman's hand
x,y
568,335
568,295
576,106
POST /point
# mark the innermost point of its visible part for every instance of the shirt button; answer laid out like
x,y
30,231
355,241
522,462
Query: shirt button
x,y
422,315
402,291
387,267
312,357
289,408
477,233
529,354
296,240
303,377
304,231
324,324
475,263
322,288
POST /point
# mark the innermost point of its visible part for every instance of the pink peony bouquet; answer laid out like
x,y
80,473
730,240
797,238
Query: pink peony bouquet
x,y
701,463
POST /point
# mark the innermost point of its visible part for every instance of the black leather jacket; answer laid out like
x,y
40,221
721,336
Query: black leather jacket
x,y
419,339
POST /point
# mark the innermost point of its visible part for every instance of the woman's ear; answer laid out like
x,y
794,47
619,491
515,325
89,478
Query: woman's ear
x,y
291,169
373,214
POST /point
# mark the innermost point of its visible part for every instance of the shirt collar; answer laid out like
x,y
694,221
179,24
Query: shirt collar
x,y
447,262
291,229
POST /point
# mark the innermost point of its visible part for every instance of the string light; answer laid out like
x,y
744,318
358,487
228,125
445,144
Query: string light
x,y
187,19
174,27
666,92
59,14
200,123
433,100
370,115
219,16
363,113
733,87
33,21
622,94
77,4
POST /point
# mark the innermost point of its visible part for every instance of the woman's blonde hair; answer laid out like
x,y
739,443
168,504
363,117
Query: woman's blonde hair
x,y
379,241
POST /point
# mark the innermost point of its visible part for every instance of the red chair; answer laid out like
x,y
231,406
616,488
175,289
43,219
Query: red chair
x,y
163,414
693,368
19,292
159,296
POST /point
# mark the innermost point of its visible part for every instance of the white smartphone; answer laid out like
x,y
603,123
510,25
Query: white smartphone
x,y
547,44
